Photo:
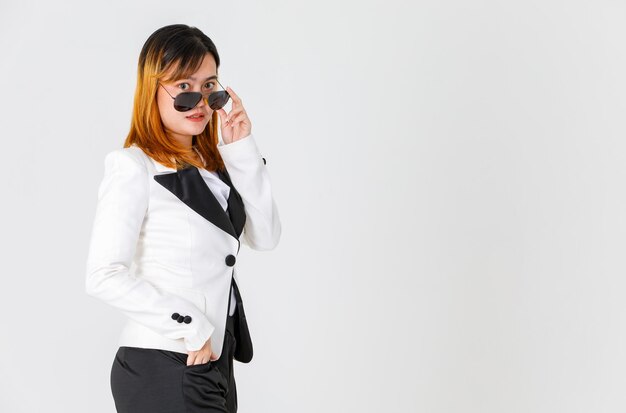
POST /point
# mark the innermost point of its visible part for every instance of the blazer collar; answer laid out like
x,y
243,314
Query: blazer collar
x,y
160,167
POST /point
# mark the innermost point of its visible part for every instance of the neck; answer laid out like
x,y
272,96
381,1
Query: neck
x,y
184,140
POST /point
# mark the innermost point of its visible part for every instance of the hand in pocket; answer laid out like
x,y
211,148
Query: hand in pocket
x,y
202,356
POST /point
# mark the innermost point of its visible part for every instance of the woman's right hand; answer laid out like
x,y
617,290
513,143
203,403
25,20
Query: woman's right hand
x,y
202,356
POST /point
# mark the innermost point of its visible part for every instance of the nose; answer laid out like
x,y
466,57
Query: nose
x,y
204,101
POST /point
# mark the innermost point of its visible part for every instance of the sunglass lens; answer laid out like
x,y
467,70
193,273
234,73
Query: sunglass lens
x,y
186,101
217,100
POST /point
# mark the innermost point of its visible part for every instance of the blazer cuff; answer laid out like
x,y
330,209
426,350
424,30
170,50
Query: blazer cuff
x,y
196,342
244,150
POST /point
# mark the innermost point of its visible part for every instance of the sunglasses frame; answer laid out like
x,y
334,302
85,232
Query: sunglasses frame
x,y
201,96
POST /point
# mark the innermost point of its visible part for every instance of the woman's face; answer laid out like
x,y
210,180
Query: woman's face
x,y
177,124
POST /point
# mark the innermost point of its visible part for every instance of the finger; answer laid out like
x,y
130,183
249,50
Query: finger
x,y
240,117
236,99
233,111
190,359
233,114
237,117
223,122
223,115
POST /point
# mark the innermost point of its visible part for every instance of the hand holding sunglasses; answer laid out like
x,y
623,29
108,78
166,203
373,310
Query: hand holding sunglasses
x,y
235,124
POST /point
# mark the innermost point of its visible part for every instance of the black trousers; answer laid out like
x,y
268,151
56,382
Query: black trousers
x,y
147,380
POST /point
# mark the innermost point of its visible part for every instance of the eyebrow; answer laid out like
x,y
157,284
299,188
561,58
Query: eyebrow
x,y
210,77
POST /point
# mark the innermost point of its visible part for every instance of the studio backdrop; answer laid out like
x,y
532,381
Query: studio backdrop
x,y
450,177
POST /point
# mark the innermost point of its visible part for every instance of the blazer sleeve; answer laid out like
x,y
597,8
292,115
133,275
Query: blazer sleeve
x,y
250,177
122,203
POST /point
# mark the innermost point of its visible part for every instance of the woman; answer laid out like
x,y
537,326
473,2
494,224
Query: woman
x,y
177,203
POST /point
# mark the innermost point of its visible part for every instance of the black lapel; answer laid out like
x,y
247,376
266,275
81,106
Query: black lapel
x,y
189,186
235,208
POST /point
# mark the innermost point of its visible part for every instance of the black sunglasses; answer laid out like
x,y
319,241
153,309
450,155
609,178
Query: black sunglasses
x,y
186,101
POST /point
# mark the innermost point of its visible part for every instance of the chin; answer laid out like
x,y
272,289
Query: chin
x,y
194,130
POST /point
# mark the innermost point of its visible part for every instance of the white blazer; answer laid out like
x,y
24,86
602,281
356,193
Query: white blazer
x,y
167,225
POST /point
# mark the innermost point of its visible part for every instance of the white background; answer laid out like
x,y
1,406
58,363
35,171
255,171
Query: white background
x,y
450,177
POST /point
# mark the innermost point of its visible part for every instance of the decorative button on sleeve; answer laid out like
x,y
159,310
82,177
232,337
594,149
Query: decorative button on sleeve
x,y
186,319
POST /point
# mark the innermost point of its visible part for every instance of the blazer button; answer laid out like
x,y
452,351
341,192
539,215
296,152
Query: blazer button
x,y
175,316
264,163
187,319
180,318
230,260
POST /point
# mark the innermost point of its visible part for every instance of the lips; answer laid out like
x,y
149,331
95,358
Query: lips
x,y
196,115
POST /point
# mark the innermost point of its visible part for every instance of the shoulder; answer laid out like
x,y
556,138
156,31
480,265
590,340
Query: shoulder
x,y
131,158
124,176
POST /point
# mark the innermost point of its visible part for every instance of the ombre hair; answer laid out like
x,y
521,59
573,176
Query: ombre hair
x,y
181,49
